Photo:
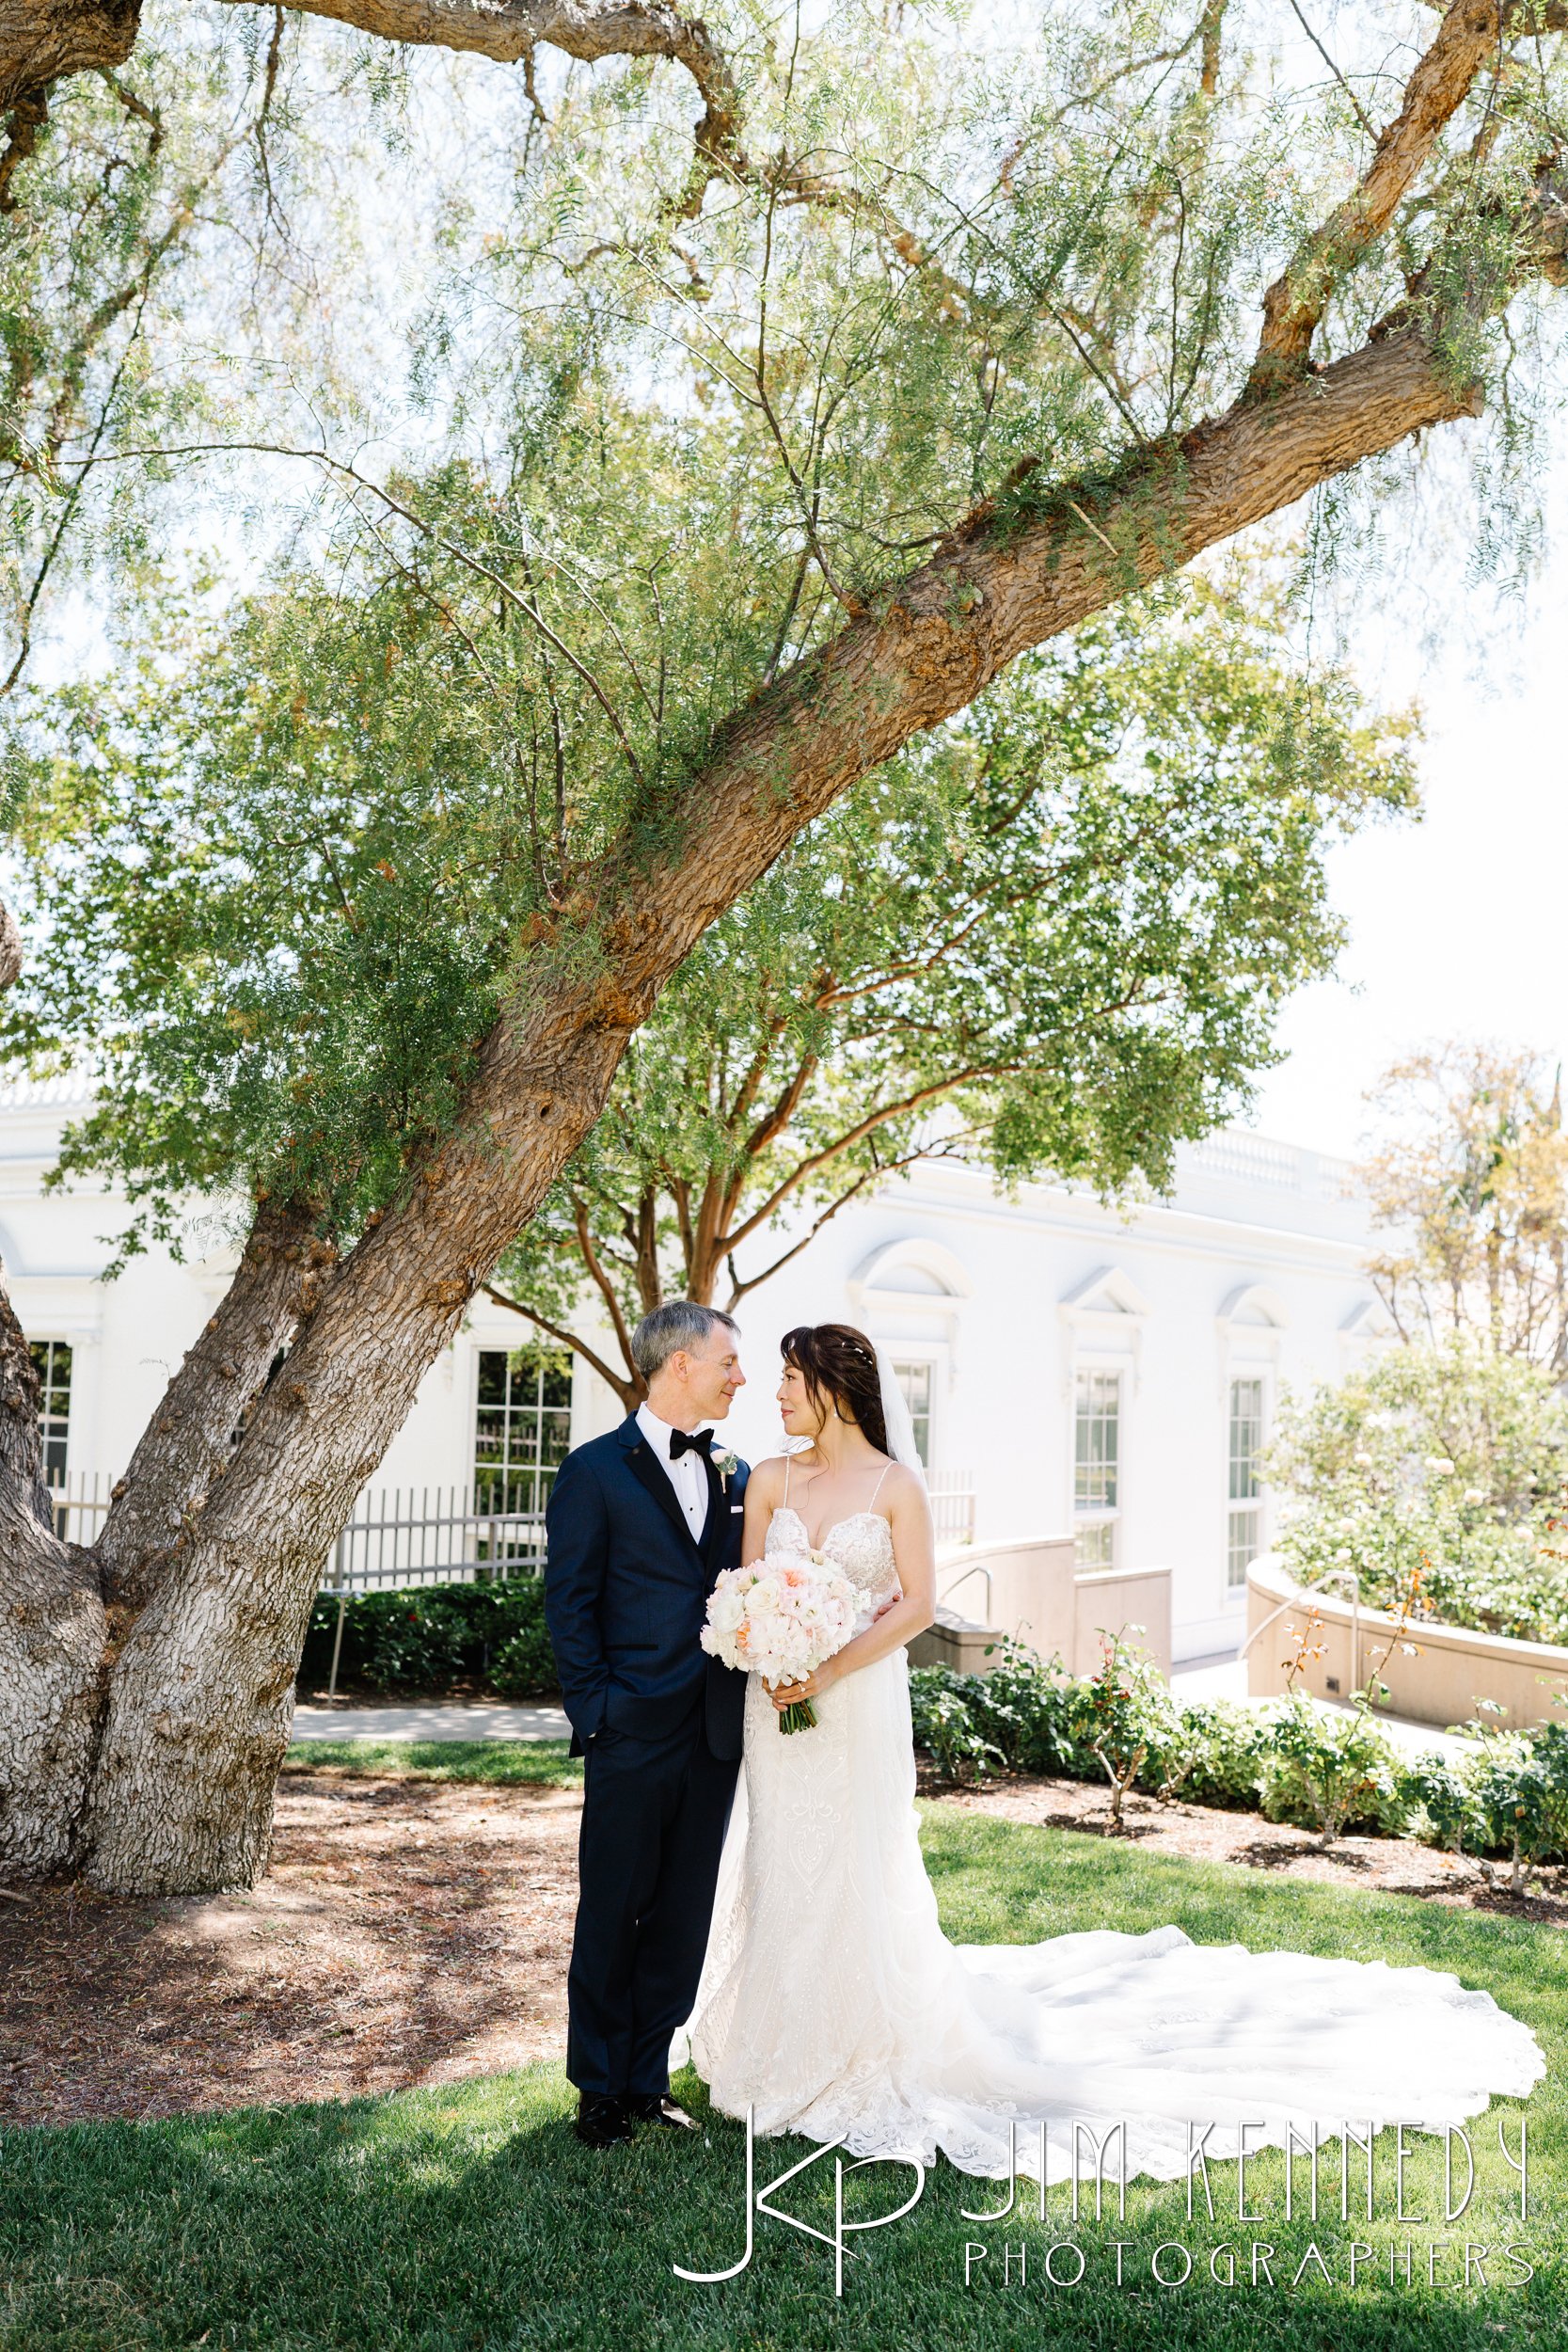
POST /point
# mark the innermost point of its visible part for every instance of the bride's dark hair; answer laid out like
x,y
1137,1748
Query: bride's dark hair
x,y
838,1365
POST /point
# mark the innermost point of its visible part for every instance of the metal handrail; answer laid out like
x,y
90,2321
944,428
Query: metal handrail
x,y
1329,1575
975,1567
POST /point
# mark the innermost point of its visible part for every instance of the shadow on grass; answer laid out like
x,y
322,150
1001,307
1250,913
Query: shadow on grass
x,y
469,2216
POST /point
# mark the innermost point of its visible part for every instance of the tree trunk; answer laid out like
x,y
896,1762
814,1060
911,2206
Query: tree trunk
x,y
202,1695
186,1445
53,1638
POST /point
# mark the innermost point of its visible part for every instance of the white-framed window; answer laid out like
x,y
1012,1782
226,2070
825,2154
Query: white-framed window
x,y
522,1426
914,1375
1243,1489
1097,1466
52,1359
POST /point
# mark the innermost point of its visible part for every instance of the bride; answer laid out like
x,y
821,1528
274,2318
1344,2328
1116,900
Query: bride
x,y
830,2002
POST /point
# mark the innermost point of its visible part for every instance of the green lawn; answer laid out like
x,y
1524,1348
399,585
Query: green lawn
x,y
545,1762
469,2217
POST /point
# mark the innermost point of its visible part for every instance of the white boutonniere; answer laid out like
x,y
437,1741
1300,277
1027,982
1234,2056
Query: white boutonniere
x,y
727,1464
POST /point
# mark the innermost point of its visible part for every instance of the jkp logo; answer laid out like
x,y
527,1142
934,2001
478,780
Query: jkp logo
x,y
756,2202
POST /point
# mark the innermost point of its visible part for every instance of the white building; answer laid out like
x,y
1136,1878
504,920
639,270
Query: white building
x,y
1071,1366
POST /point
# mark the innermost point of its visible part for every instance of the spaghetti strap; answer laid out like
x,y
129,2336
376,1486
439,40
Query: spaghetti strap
x,y
784,1505
878,1487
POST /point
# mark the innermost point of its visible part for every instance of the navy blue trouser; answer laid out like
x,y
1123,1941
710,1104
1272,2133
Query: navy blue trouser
x,y
654,1813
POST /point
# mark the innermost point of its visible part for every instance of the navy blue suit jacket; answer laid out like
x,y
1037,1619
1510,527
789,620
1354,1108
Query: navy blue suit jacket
x,y
626,1593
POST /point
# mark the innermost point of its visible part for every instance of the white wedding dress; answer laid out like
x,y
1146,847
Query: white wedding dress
x,y
831,2004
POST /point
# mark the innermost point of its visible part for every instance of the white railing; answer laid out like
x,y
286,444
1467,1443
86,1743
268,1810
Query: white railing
x,y
952,1505
80,1502
398,1538
401,1537
1280,1166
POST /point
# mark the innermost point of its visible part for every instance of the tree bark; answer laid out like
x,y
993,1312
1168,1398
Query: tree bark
x,y
40,40
1471,32
187,1443
201,1698
53,1638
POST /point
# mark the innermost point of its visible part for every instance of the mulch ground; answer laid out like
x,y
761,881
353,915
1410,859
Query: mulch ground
x,y
414,1932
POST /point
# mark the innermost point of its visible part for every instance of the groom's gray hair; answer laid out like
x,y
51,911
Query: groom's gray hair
x,y
679,1323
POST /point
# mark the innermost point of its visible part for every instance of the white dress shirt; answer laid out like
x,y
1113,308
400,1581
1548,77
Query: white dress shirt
x,y
687,1475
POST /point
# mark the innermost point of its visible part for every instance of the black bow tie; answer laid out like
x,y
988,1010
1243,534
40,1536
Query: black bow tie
x,y
689,1441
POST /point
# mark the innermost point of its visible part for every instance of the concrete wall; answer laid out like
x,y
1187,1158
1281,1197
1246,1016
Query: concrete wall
x,y
1031,1587
1440,1684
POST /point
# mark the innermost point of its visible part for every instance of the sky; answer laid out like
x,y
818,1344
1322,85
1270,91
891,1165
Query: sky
x,y
1459,925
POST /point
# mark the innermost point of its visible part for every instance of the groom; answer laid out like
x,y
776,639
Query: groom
x,y
638,1525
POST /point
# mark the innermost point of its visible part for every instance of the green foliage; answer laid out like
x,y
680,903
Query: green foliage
x,y
626,468
418,1641
1029,1711
1331,1772
1444,1460
1209,1751
1119,1709
948,1727
676,442
1443,1802
524,1667
1322,1769
1056,933
276,872
129,324
271,892
1519,1790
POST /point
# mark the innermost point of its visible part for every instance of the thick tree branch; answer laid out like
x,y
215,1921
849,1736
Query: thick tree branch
x,y
187,1444
509,31
1294,304
42,41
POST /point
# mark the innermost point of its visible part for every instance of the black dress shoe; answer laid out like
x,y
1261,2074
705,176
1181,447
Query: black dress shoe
x,y
657,2106
602,2120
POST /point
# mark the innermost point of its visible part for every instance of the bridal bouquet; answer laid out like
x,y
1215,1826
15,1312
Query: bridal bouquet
x,y
781,1617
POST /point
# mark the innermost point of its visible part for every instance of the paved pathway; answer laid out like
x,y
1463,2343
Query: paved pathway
x,y
1226,1678
435,1722
1215,1679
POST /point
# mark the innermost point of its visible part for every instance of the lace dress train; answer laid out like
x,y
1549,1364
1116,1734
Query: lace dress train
x,y
833,2005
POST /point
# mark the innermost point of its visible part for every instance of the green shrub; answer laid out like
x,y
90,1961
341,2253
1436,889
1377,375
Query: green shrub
x,y
1213,1751
1331,1772
1447,1460
943,1704
1440,1802
1029,1708
419,1640
524,1667
1119,1711
1519,1785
